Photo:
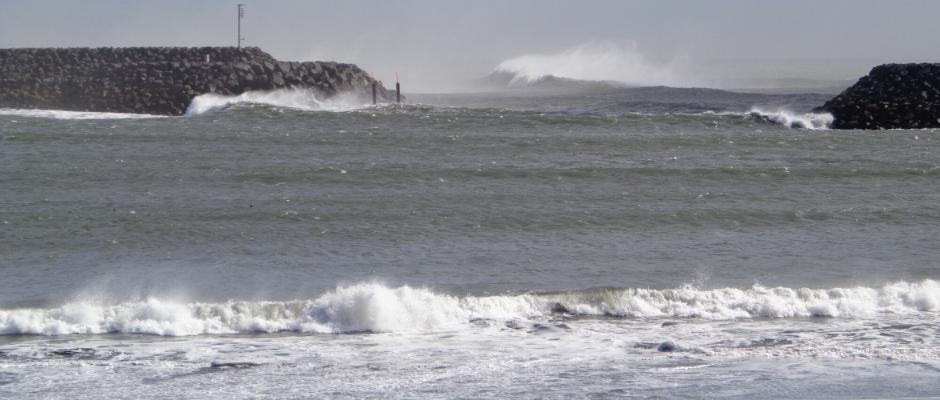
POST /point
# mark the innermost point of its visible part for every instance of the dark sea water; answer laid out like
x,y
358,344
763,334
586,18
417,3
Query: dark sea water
x,y
649,242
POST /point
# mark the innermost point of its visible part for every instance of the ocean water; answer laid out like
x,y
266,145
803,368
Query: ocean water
x,y
646,242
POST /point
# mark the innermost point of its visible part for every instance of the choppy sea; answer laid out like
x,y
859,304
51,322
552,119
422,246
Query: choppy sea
x,y
646,242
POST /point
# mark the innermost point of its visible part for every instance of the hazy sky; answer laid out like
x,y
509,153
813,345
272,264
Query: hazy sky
x,y
432,43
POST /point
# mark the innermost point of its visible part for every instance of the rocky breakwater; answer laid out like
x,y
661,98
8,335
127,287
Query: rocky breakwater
x,y
161,80
892,96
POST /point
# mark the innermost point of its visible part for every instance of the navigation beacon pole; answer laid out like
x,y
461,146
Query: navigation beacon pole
x,y
372,78
397,89
238,32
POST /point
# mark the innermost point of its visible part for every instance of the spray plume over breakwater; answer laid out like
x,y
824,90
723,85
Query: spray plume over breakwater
x,y
163,80
596,62
891,96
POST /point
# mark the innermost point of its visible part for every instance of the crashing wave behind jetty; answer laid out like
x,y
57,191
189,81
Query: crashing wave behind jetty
x,y
372,307
593,61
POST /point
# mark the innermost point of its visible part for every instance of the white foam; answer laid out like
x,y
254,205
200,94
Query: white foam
x,y
594,61
61,114
794,120
377,308
758,301
372,307
299,99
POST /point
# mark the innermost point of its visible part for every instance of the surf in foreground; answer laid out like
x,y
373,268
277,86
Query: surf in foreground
x,y
372,307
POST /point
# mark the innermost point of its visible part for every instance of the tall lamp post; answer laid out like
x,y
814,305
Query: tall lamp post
x,y
238,33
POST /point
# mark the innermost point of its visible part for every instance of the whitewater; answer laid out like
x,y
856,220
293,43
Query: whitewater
x,y
377,308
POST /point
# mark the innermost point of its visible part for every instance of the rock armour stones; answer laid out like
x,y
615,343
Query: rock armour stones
x,y
160,80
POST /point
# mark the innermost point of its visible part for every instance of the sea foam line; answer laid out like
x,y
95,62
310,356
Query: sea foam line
x,y
62,114
373,307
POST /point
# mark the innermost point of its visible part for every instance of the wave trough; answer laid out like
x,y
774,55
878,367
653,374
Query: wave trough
x,y
372,307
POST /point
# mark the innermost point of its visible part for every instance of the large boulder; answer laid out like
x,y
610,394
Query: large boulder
x,y
891,96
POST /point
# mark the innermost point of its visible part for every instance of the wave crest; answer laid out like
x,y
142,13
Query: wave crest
x,y
300,99
593,61
372,307
793,120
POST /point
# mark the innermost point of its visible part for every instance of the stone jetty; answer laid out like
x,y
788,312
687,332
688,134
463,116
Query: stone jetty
x,y
161,80
891,96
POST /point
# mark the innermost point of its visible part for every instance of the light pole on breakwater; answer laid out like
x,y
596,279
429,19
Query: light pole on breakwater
x,y
238,33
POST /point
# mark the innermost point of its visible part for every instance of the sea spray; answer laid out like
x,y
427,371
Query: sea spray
x,y
594,61
377,308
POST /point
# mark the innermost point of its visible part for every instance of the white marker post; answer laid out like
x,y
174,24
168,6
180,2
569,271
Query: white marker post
x,y
238,32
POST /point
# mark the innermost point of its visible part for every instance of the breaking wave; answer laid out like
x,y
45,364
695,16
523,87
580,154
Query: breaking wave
x,y
793,120
300,99
372,307
593,61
